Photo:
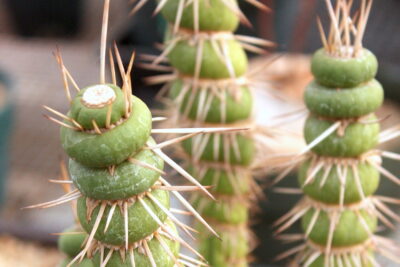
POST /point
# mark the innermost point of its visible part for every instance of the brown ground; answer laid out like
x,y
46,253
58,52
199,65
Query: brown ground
x,y
17,253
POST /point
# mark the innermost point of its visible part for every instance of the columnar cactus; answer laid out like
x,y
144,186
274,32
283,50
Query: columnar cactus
x,y
123,202
209,87
339,173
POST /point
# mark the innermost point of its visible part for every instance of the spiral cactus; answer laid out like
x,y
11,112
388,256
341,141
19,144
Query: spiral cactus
x,y
209,87
340,171
123,202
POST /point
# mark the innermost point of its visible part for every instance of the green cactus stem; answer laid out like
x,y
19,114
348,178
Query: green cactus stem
x,y
123,202
340,167
210,87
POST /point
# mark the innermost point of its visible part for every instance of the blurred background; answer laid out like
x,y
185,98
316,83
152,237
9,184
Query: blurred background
x,y
30,152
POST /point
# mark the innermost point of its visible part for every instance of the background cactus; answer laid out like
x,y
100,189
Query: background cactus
x,y
339,169
123,202
210,87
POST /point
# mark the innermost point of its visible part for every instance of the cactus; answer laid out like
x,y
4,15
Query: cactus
x,y
123,202
340,168
209,86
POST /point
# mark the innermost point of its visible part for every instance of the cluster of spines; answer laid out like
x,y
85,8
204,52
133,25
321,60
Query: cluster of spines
x,y
340,168
116,167
209,86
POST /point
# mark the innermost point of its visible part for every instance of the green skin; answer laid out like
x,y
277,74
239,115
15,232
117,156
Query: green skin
x,y
233,213
128,180
358,138
330,192
236,109
342,236
213,15
71,244
84,263
161,257
224,185
111,147
344,103
140,223
218,252
338,72
246,148
85,115
183,58
320,262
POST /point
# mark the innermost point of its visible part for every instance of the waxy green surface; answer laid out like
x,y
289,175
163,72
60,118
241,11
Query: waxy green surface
x,y
232,245
348,231
140,223
232,212
161,257
336,72
128,179
344,102
113,146
183,58
222,183
245,145
358,137
330,192
236,108
214,15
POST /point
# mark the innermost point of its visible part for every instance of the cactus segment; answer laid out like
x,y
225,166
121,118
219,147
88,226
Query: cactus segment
x,y
344,103
214,15
236,182
226,211
142,225
237,149
126,180
361,223
113,146
338,72
163,250
231,250
351,140
347,181
208,59
236,106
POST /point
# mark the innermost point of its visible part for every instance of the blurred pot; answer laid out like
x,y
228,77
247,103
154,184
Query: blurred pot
x,y
7,108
